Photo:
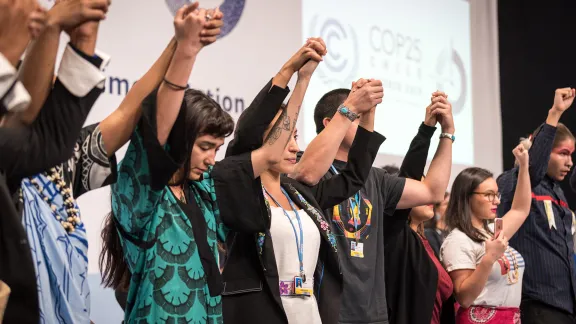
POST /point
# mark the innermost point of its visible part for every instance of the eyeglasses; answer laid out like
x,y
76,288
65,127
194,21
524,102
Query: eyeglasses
x,y
491,196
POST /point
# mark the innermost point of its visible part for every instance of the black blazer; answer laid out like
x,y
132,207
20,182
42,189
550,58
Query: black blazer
x,y
250,274
411,276
25,151
251,284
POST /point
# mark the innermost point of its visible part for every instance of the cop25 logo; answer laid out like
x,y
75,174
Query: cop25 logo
x,y
232,10
340,65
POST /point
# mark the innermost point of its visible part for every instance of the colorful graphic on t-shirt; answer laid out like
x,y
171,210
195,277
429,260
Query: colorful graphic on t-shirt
x,y
353,217
510,264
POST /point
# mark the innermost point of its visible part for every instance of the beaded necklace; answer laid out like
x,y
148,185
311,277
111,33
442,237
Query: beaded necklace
x,y
512,278
73,217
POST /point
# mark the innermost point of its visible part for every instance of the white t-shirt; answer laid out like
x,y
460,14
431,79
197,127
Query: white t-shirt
x,y
299,309
460,252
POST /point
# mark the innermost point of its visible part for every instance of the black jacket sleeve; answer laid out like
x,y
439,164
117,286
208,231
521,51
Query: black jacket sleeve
x,y
50,139
331,192
251,125
413,165
240,200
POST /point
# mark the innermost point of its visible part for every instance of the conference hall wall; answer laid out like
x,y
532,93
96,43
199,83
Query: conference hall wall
x,y
536,57
414,47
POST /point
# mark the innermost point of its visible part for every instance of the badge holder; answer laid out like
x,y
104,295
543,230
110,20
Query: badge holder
x,y
357,249
302,288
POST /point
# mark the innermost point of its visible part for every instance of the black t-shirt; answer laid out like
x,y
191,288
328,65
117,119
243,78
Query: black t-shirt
x,y
364,295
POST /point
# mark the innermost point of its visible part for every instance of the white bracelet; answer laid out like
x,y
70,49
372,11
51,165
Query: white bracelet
x,y
449,136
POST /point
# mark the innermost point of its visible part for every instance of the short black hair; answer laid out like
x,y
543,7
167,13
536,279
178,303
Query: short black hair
x,y
328,105
391,169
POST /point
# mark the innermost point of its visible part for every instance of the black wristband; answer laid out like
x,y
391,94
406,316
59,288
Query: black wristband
x,y
175,86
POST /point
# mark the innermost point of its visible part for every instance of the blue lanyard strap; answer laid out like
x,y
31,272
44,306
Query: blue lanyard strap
x,y
354,207
299,241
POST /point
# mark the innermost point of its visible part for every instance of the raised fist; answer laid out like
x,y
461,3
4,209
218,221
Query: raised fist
x,y
563,99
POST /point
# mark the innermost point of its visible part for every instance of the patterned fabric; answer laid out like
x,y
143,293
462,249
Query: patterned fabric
x,y
61,259
309,209
545,239
488,315
168,282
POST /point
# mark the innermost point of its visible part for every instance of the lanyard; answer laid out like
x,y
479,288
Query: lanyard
x,y
354,207
299,242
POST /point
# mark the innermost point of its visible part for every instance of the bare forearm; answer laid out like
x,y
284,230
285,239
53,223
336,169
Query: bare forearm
x,y
117,128
169,100
472,286
37,71
320,153
282,78
553,117
284,126
439,172
520,205
367,120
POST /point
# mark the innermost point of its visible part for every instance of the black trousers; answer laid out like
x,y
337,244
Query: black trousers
x,y
535,312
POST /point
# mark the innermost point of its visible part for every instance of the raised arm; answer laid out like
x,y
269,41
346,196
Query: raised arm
x,y
258,116
432,189
305,62
37,71
516,216
14,28
331,192
14,37
188,23
320,153
543,143
50,139
413,167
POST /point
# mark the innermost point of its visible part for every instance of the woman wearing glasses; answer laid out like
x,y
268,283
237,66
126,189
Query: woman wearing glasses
x,y
485,271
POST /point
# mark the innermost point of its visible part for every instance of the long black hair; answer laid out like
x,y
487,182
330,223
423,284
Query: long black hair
x,y
458,213
199,115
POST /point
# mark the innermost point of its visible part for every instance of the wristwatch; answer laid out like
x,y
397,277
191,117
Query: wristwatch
x,y
449,136
348,113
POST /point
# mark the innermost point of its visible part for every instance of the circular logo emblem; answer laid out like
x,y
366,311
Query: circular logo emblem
x,y
340,65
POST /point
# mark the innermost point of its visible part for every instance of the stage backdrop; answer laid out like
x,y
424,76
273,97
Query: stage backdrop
x,y
414,46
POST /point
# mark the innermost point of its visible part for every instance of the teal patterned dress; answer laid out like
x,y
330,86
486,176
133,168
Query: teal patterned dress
x,y
169,283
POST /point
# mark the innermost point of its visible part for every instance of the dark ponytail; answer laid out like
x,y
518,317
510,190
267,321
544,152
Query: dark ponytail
x,y
114,269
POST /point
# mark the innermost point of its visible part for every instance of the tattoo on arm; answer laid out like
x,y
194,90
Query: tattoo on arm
x,y
286,123
277,128
296,118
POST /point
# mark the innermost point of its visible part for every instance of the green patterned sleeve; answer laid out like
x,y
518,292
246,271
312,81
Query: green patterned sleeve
x,y
134,202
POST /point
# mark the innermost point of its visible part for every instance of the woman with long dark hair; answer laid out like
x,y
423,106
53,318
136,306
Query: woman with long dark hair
x,y
486,272
418,289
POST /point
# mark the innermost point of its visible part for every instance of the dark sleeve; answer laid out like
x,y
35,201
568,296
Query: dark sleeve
x,y
573,181
50,139
163,160
251,125
239,195
338,188
91,166
507,186
540,153
414,163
